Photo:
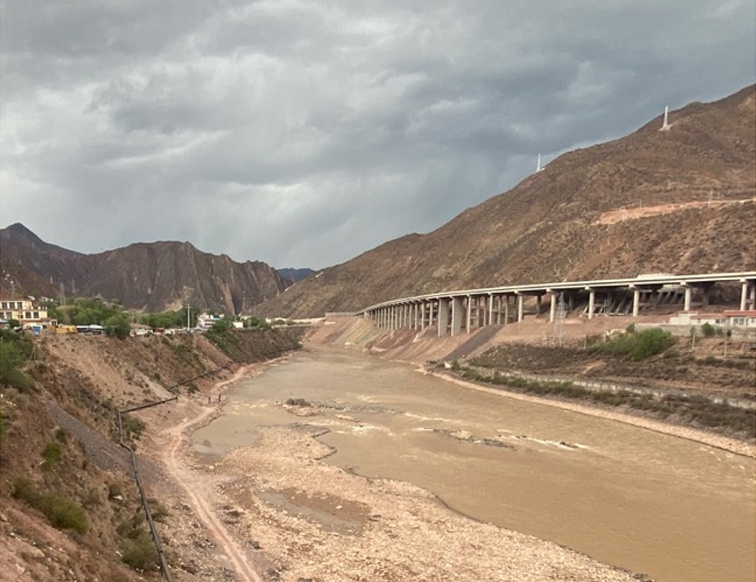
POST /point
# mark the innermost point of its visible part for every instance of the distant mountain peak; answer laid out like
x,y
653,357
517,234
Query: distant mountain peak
x,y
153,276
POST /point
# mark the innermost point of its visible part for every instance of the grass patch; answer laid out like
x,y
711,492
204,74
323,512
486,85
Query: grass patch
x,y
51,455
637,345
137,547
224,339
62,513
133,427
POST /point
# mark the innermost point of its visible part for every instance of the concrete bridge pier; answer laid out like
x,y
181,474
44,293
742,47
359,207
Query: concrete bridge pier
x,y
457,309
520,307
688,291
747,294
636,300
591,301
468,314
443,316
552,305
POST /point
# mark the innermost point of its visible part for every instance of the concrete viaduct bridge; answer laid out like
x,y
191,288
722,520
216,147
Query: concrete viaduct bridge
x,y
456,311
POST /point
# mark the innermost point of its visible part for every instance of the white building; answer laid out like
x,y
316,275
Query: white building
x,y
731,318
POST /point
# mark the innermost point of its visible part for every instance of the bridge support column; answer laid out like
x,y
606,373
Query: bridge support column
x,y
636,301
744,295
506,310
498,310
490,308
443,316
591,302
688,296
468,314
538,305
552,306
456,315
520,308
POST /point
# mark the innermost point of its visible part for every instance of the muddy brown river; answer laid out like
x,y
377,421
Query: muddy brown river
x,y
674,509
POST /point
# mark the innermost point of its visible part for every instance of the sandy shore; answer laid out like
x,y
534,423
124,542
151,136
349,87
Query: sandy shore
x,y
319,522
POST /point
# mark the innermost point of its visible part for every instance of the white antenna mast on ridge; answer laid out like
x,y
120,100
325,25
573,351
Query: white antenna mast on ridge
x,y
665,125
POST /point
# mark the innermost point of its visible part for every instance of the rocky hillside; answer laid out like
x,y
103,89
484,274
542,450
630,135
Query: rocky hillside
x,y
678,201
150,276
69,507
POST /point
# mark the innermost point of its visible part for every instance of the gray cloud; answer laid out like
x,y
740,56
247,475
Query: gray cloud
x,y
303,133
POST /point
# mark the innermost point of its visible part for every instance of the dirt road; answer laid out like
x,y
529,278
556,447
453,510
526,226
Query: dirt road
x,y
198,489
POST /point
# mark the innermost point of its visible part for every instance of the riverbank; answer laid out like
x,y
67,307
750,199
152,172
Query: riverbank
x,y
520,346
278,508
276,511
736,446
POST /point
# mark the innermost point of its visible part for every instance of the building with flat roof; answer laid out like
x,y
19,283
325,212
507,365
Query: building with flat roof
x,y
22,310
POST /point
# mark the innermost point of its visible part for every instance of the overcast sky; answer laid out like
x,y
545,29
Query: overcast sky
x,y
303,133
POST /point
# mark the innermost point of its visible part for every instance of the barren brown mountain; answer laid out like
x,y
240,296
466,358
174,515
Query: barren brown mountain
x,y
677,201
150,276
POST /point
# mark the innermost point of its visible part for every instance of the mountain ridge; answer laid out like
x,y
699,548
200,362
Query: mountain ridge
x,y
144,276
680,199
696,182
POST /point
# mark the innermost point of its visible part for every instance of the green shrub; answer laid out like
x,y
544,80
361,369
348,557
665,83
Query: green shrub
x,y
66,514
158,511
15,349
118,325
24,490
133,427
51,455
139,552
61,436
708,330
92,498
638,345
62,513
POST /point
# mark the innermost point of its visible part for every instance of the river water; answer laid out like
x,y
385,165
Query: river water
x,y
674,509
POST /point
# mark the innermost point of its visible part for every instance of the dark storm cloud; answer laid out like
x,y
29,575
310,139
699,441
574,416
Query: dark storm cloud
x,y
303,133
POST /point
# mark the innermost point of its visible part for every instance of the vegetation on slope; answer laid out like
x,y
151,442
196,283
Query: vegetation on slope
x,y
62,469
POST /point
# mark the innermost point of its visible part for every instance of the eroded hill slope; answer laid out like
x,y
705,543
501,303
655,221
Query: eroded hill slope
x,y
678,201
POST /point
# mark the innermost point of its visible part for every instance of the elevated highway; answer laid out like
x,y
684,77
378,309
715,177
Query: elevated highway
x,y
457,311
